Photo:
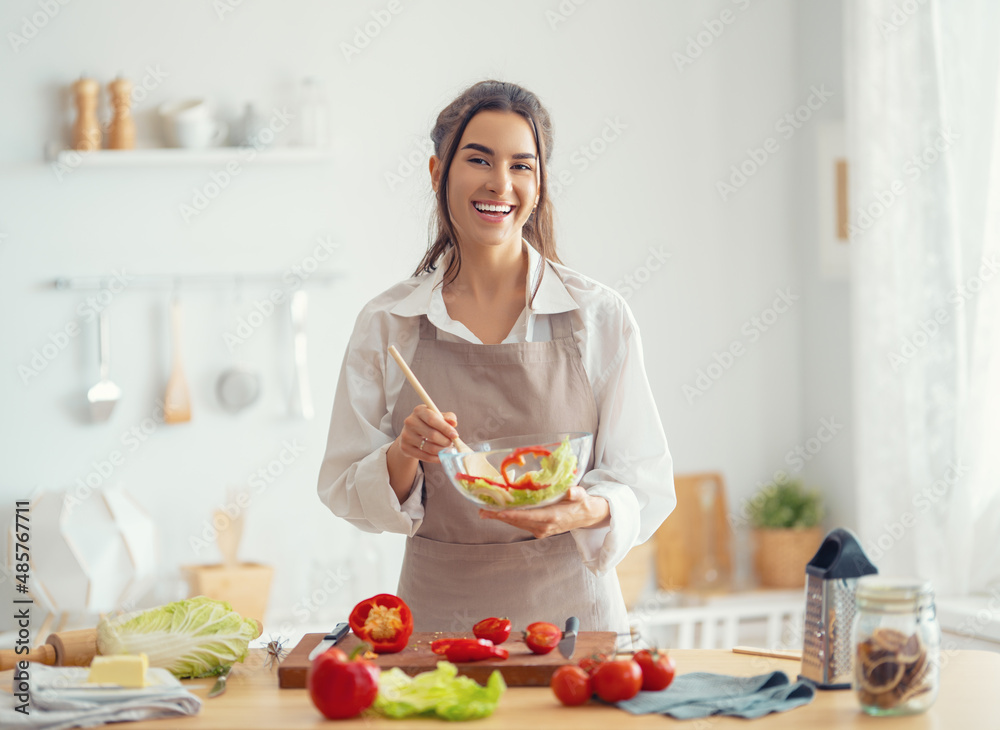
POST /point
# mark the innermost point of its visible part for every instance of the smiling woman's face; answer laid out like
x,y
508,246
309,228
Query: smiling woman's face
x,y
496,167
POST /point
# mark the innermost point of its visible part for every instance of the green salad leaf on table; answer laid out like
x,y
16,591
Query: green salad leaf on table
x,y
439,693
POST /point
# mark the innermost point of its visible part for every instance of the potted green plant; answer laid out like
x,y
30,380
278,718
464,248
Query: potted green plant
x,y
786,520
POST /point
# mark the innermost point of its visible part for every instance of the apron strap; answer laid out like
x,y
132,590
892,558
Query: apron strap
x,y
427,330
562,327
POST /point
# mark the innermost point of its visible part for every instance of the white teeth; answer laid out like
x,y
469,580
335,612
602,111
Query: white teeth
x,y
493,208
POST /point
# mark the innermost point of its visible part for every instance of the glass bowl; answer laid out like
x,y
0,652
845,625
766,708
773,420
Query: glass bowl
x,y
544,480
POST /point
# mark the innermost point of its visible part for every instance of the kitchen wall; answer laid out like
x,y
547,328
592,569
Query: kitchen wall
x,y
654,105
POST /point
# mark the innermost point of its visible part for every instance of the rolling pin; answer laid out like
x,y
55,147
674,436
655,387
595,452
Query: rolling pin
x,y
63,648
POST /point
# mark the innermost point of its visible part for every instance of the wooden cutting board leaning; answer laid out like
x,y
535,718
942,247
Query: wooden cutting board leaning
x,y
522,669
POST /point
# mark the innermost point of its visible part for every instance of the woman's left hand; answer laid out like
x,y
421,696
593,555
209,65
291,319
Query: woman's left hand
x,y
577,509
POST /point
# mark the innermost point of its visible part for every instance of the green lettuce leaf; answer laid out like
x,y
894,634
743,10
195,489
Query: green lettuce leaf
x,y
196,637
441,693
558,467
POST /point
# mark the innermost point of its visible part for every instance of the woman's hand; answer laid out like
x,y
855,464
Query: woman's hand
x,y
577,509
425,433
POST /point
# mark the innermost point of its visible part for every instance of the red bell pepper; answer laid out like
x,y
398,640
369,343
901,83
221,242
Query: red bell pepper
x,y
342,686
472,480
517,457
384,621
468,650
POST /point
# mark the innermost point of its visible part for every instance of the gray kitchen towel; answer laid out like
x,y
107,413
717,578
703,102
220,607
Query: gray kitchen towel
x,y
56,701
701,694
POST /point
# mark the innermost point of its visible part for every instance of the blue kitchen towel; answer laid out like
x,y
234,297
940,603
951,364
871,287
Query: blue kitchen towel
x,y
700,694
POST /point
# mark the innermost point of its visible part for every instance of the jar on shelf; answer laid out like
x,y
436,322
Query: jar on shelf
x,y
897,646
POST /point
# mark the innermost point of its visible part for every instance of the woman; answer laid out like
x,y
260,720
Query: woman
x,y
496,329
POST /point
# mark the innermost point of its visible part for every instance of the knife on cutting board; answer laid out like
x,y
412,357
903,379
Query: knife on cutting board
x,y
568,642
331,639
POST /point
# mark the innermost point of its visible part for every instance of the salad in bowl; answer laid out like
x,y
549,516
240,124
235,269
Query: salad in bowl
x,y
519,472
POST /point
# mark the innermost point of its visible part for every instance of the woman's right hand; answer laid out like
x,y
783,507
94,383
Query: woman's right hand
x,y
426,428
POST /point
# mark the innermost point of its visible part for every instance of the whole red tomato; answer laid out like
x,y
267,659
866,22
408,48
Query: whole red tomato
x,y
571,685
616,680
542,637
590,663
342,686
657,669
496,630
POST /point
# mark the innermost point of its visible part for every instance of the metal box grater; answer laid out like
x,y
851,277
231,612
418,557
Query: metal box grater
x,y
831,581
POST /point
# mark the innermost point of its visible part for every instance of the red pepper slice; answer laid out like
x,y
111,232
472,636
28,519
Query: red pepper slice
x,y
384,621
468,650
472,480
517,457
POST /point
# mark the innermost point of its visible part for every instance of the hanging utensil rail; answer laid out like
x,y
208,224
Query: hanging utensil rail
x,y
197,281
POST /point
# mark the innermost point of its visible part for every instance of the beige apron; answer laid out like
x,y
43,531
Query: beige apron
x,y
459,568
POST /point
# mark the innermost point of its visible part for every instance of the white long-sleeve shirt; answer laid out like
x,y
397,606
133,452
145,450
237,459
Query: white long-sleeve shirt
x,y
632,470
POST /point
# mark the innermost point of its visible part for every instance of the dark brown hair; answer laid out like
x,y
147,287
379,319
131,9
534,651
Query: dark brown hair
x,y
447,133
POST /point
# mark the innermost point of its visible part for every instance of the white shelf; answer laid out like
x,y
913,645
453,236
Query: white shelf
x,y
155,157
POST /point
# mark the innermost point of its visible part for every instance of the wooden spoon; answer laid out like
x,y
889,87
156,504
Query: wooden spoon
x,y
176,401
476,464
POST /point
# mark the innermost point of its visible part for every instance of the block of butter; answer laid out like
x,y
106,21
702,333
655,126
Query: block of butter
x,y
127,670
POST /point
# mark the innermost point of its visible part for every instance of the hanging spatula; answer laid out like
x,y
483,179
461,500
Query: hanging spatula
x,y
476,464
176,401
105,394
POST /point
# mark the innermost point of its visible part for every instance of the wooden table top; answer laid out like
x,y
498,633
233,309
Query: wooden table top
x,y
967,701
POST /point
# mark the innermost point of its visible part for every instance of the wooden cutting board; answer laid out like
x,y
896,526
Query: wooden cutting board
x,y
521,669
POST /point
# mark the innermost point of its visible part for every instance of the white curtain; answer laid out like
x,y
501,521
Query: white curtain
x,y
923,134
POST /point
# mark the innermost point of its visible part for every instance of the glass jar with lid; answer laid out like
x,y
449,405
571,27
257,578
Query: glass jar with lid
x,y
897,645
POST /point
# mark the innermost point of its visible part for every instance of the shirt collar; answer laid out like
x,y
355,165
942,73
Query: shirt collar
x,y
552,296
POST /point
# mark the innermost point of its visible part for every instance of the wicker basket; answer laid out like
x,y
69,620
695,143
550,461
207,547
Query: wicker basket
x,y
782,554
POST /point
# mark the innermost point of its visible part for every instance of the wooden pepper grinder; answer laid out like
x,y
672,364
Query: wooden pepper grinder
x,y
86,130
121,135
